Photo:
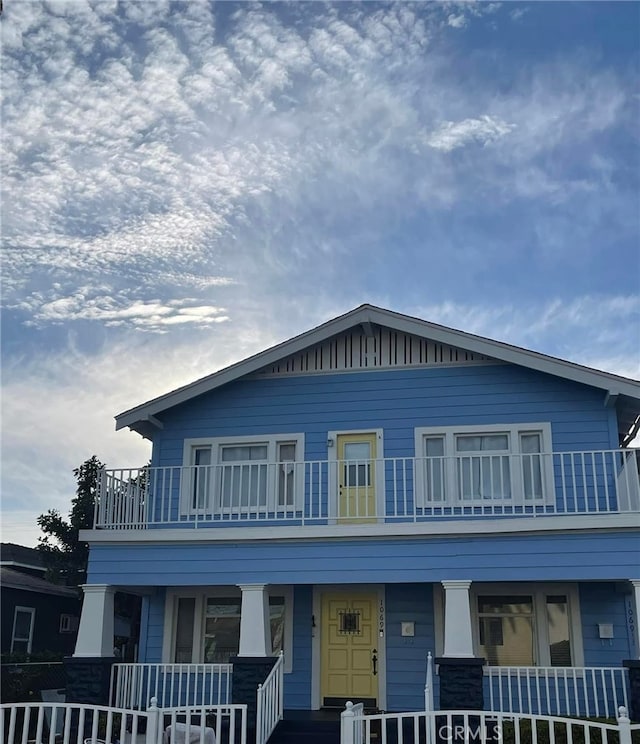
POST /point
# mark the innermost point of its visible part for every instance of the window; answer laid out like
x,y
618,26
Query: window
x,y
22,636
243,473
531,626
68,623
204,626
480,464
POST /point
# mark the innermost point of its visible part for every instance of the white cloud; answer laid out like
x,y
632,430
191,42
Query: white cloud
x,y
457,21
451,135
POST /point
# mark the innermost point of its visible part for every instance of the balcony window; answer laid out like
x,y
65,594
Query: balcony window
x,y
483,464
242,473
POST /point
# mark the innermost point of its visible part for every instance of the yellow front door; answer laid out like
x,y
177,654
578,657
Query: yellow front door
x,y
349,651
357,477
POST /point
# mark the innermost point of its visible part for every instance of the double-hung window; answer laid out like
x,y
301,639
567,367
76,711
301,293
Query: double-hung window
x,y
242,473
480,464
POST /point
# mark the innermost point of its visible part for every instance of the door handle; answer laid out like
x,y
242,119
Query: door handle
x,y
374,661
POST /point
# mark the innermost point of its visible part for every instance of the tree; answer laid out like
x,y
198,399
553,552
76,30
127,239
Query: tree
x,y
64,555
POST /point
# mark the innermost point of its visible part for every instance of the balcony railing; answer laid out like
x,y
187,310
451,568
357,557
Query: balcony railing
x,y
400,489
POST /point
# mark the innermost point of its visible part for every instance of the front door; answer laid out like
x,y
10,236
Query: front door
x,y
349,658
357,477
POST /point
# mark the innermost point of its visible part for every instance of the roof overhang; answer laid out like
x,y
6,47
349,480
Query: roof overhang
x,y
626,392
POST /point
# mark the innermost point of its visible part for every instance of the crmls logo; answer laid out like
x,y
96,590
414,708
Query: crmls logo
x,y
491,732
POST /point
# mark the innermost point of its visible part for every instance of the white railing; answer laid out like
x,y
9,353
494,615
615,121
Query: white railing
x,y
352,724
480,727
270,702
132,685
71,723
219,724
411,490
567,691
428,684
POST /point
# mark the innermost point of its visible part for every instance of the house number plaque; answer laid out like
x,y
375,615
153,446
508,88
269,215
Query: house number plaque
x,y
381,619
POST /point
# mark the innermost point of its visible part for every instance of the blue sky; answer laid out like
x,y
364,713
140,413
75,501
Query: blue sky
x,y
185,184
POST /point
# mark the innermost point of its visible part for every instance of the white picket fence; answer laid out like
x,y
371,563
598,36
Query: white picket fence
x,y
72,723
478,727
270,702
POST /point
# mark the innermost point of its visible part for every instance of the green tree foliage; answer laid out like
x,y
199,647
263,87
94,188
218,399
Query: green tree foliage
x,y
64,555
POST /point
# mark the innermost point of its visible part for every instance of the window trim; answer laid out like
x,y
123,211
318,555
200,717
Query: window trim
x,y
539,593
514,431
30,611
201,594
216,444
68,623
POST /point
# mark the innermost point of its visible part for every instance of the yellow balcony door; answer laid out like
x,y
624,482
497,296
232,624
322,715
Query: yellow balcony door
x,y
357,477
349,656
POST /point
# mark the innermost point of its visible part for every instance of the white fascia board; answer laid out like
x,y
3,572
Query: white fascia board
x,y
367,315
539,525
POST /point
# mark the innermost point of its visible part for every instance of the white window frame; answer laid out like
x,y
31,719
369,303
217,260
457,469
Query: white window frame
x,y
539,591
539,594
217,444
29,611
451,490
200,595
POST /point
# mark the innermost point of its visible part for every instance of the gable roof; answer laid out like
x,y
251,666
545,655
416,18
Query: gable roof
x,y
10,579
625,393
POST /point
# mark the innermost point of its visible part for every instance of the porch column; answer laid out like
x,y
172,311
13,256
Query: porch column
x,y
95,634
89,669
254,660
633,665
255,630
458,640
459,671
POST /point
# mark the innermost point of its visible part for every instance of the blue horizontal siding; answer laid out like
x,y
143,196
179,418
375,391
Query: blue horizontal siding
x,y
604,603
576,556
407,656
297,686
396,401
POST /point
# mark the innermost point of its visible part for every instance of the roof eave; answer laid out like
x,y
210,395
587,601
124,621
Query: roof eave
x,y
140,417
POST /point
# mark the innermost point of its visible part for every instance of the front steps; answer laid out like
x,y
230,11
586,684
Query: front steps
x,y
308,727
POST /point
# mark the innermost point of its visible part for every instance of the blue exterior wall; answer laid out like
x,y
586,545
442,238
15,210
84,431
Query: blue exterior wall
x,y
407,657
526,557
395,400
604,603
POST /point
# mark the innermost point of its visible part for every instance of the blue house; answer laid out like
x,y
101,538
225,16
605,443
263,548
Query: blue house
x,y
371,491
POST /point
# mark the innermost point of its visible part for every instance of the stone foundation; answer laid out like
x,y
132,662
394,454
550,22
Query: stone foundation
x,y
460,683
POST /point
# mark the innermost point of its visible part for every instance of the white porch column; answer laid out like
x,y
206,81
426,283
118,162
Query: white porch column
x,y
635,583
458,641
255,628
95,634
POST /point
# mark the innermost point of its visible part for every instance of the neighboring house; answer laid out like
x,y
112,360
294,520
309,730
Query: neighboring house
x,y
37,616
369,491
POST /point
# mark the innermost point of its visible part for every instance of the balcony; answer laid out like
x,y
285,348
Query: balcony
x,y
388,490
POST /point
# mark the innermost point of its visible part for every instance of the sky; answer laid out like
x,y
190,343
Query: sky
x,y
186,183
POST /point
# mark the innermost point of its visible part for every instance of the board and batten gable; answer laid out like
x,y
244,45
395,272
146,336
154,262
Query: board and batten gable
x,y
396,401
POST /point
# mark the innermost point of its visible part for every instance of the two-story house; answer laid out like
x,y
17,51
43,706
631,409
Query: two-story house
x,y
375,489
